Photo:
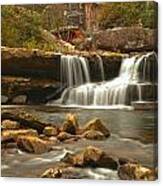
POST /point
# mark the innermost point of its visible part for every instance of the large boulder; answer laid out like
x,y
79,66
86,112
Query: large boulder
x,y
126,39
33,144
131,171
71,124
12,135
96,124
91,157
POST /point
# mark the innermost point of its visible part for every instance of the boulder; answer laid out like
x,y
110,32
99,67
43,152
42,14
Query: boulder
x,y
9,124
25,119
33,144
73,119
12,135
69,127
91,157
131,171
93,135
50,131
126,39
96,124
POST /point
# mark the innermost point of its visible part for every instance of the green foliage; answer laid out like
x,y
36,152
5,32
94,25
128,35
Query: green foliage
x,y
128,14
19,26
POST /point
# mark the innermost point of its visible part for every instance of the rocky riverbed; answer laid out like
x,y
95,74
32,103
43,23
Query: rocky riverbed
x,y
52,142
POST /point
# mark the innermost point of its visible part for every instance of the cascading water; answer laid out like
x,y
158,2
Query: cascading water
x,y
136,72
74,70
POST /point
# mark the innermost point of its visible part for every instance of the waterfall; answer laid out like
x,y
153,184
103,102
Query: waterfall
x,y
134,71
74,70
101,67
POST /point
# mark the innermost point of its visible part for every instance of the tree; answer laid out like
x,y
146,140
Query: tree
x,y
127,14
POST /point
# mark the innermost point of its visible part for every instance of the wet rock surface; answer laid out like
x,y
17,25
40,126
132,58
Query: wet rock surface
x,y
33,144
132,171
92,157
96,124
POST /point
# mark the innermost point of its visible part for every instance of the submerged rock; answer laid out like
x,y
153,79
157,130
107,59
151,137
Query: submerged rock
x,y
96,124
50,131
9,124
93,135
131,171
12,135
33,144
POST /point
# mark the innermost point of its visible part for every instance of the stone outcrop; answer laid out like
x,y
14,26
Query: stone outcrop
x,y
126,39
31,63
96,124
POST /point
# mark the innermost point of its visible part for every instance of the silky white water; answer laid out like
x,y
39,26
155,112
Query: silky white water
x,y
134,71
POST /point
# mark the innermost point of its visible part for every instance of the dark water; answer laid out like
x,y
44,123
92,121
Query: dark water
x,y
133,135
